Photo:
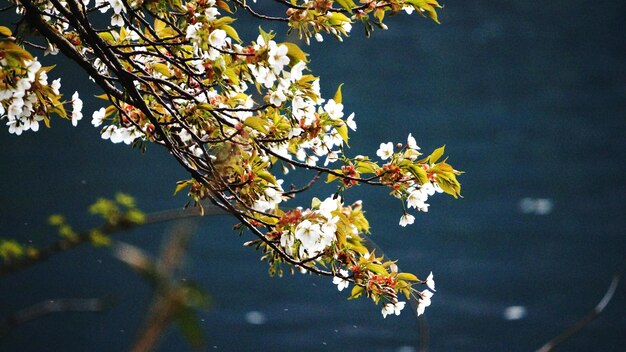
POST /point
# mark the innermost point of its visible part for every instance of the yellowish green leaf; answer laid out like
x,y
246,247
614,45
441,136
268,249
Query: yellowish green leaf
x,y
256,123
434,156
337,97
343,132
5,31
377,268
231,32
419,173
294,53
356,291
407,277
348,5
99,239
162,69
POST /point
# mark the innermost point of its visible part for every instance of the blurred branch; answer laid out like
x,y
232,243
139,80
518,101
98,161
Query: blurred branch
x,y
85,237
423,334
172,298
51,306
582,323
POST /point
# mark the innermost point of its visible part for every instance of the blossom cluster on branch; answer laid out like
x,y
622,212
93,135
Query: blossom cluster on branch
x,y
237,115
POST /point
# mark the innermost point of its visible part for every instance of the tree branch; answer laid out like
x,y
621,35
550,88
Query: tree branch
x,y
586,320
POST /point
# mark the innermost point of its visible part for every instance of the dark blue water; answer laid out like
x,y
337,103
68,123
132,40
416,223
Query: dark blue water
x,y
529,99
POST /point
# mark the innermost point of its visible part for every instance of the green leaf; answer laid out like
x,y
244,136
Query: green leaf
x,y
434,156
180,185
337,19
103,96
232,76
162,69
158,25
256,123
222,21
5,31
419,173
223,5
267,176
99,239
107,37
337,97
428,6
377,268
187,321
265,35
343,132
407,277
10,249
366,167
135,216
449,185
125,200
356,291
295,53
231,32
348,5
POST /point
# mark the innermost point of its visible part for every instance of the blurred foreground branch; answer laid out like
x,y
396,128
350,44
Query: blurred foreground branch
x,y
51,306
586,320
174,300
84,237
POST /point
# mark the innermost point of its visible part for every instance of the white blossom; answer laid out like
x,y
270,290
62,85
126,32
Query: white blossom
x,y
424,301
277,57
117,5
430,281
117,20
406,219
331,158
340,281
192,31
98,117
51,49
334,109
296,71
392,308
277,97
217,38
350,122
309,234
385,151
411,143
328,206
77,106
416,198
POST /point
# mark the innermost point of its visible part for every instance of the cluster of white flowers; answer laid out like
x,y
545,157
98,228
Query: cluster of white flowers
x,y
114,133
20,105
392,308
423,301
117,6
426,295
272,196
416,195
316,232
282,87
121,134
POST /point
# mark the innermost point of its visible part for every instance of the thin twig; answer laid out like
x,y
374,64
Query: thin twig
x,y
49,306
85,237
586,320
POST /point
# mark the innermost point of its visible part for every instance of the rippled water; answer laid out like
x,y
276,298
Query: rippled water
x,y
529,99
